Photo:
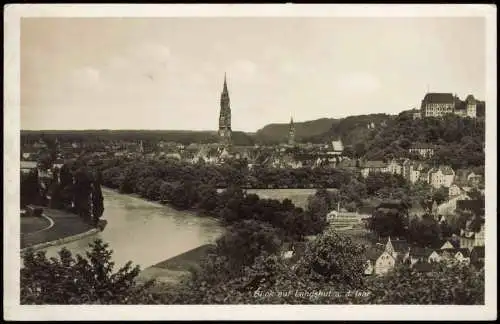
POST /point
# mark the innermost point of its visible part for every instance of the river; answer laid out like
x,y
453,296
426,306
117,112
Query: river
x,y
146,232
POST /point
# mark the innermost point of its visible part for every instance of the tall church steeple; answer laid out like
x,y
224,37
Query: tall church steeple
x,y
225,115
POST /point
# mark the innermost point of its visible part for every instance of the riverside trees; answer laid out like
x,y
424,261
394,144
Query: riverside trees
x,y
74,188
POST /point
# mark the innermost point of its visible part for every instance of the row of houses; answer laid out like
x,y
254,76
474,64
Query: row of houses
x,y
414,171
273,156
381,259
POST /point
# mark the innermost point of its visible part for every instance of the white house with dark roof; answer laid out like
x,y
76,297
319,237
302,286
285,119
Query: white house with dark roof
x,y
384,263
441,177
378,261
456,254
394,167
371,167
428,255
381,259
338,147
463,255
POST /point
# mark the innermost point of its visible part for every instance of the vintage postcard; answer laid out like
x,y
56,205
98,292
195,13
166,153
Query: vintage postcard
x,y
250,162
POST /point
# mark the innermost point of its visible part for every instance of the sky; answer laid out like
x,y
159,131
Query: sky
x,y
167,73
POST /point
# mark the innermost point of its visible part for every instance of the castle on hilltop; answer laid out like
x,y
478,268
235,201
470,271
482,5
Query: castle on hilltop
x,y
225,116
440,104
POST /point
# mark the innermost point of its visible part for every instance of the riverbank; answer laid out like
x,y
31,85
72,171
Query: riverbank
x,y
53,228
299,197
173,270
194,212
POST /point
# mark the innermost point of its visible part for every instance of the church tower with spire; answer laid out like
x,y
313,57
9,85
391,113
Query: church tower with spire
x,y
291,133
225,115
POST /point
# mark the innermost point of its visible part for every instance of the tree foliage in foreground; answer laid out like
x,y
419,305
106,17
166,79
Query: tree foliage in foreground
x,y
447,284
80,280
330,272
330,263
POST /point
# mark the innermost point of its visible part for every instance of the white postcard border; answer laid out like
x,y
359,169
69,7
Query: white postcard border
x,y
14,311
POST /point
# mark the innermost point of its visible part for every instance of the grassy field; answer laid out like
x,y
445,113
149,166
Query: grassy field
x,y
297,196
65,224
173,270
185,261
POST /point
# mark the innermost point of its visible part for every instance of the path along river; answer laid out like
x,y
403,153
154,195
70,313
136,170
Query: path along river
x,y
147,233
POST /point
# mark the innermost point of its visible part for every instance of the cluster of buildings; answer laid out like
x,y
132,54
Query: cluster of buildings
x,y
416,171
340,219
47,163
48,166
32,158
466,247
381,259
291,154
439,104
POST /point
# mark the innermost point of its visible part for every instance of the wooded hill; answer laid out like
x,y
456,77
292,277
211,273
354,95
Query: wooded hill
x,y
278,133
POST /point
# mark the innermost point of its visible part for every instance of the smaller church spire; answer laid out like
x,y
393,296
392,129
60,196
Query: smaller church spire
x,y
291,132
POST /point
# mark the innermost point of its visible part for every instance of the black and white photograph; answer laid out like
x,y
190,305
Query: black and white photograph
x,y
329,159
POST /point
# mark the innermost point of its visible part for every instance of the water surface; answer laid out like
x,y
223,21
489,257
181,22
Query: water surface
x,y
145,232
